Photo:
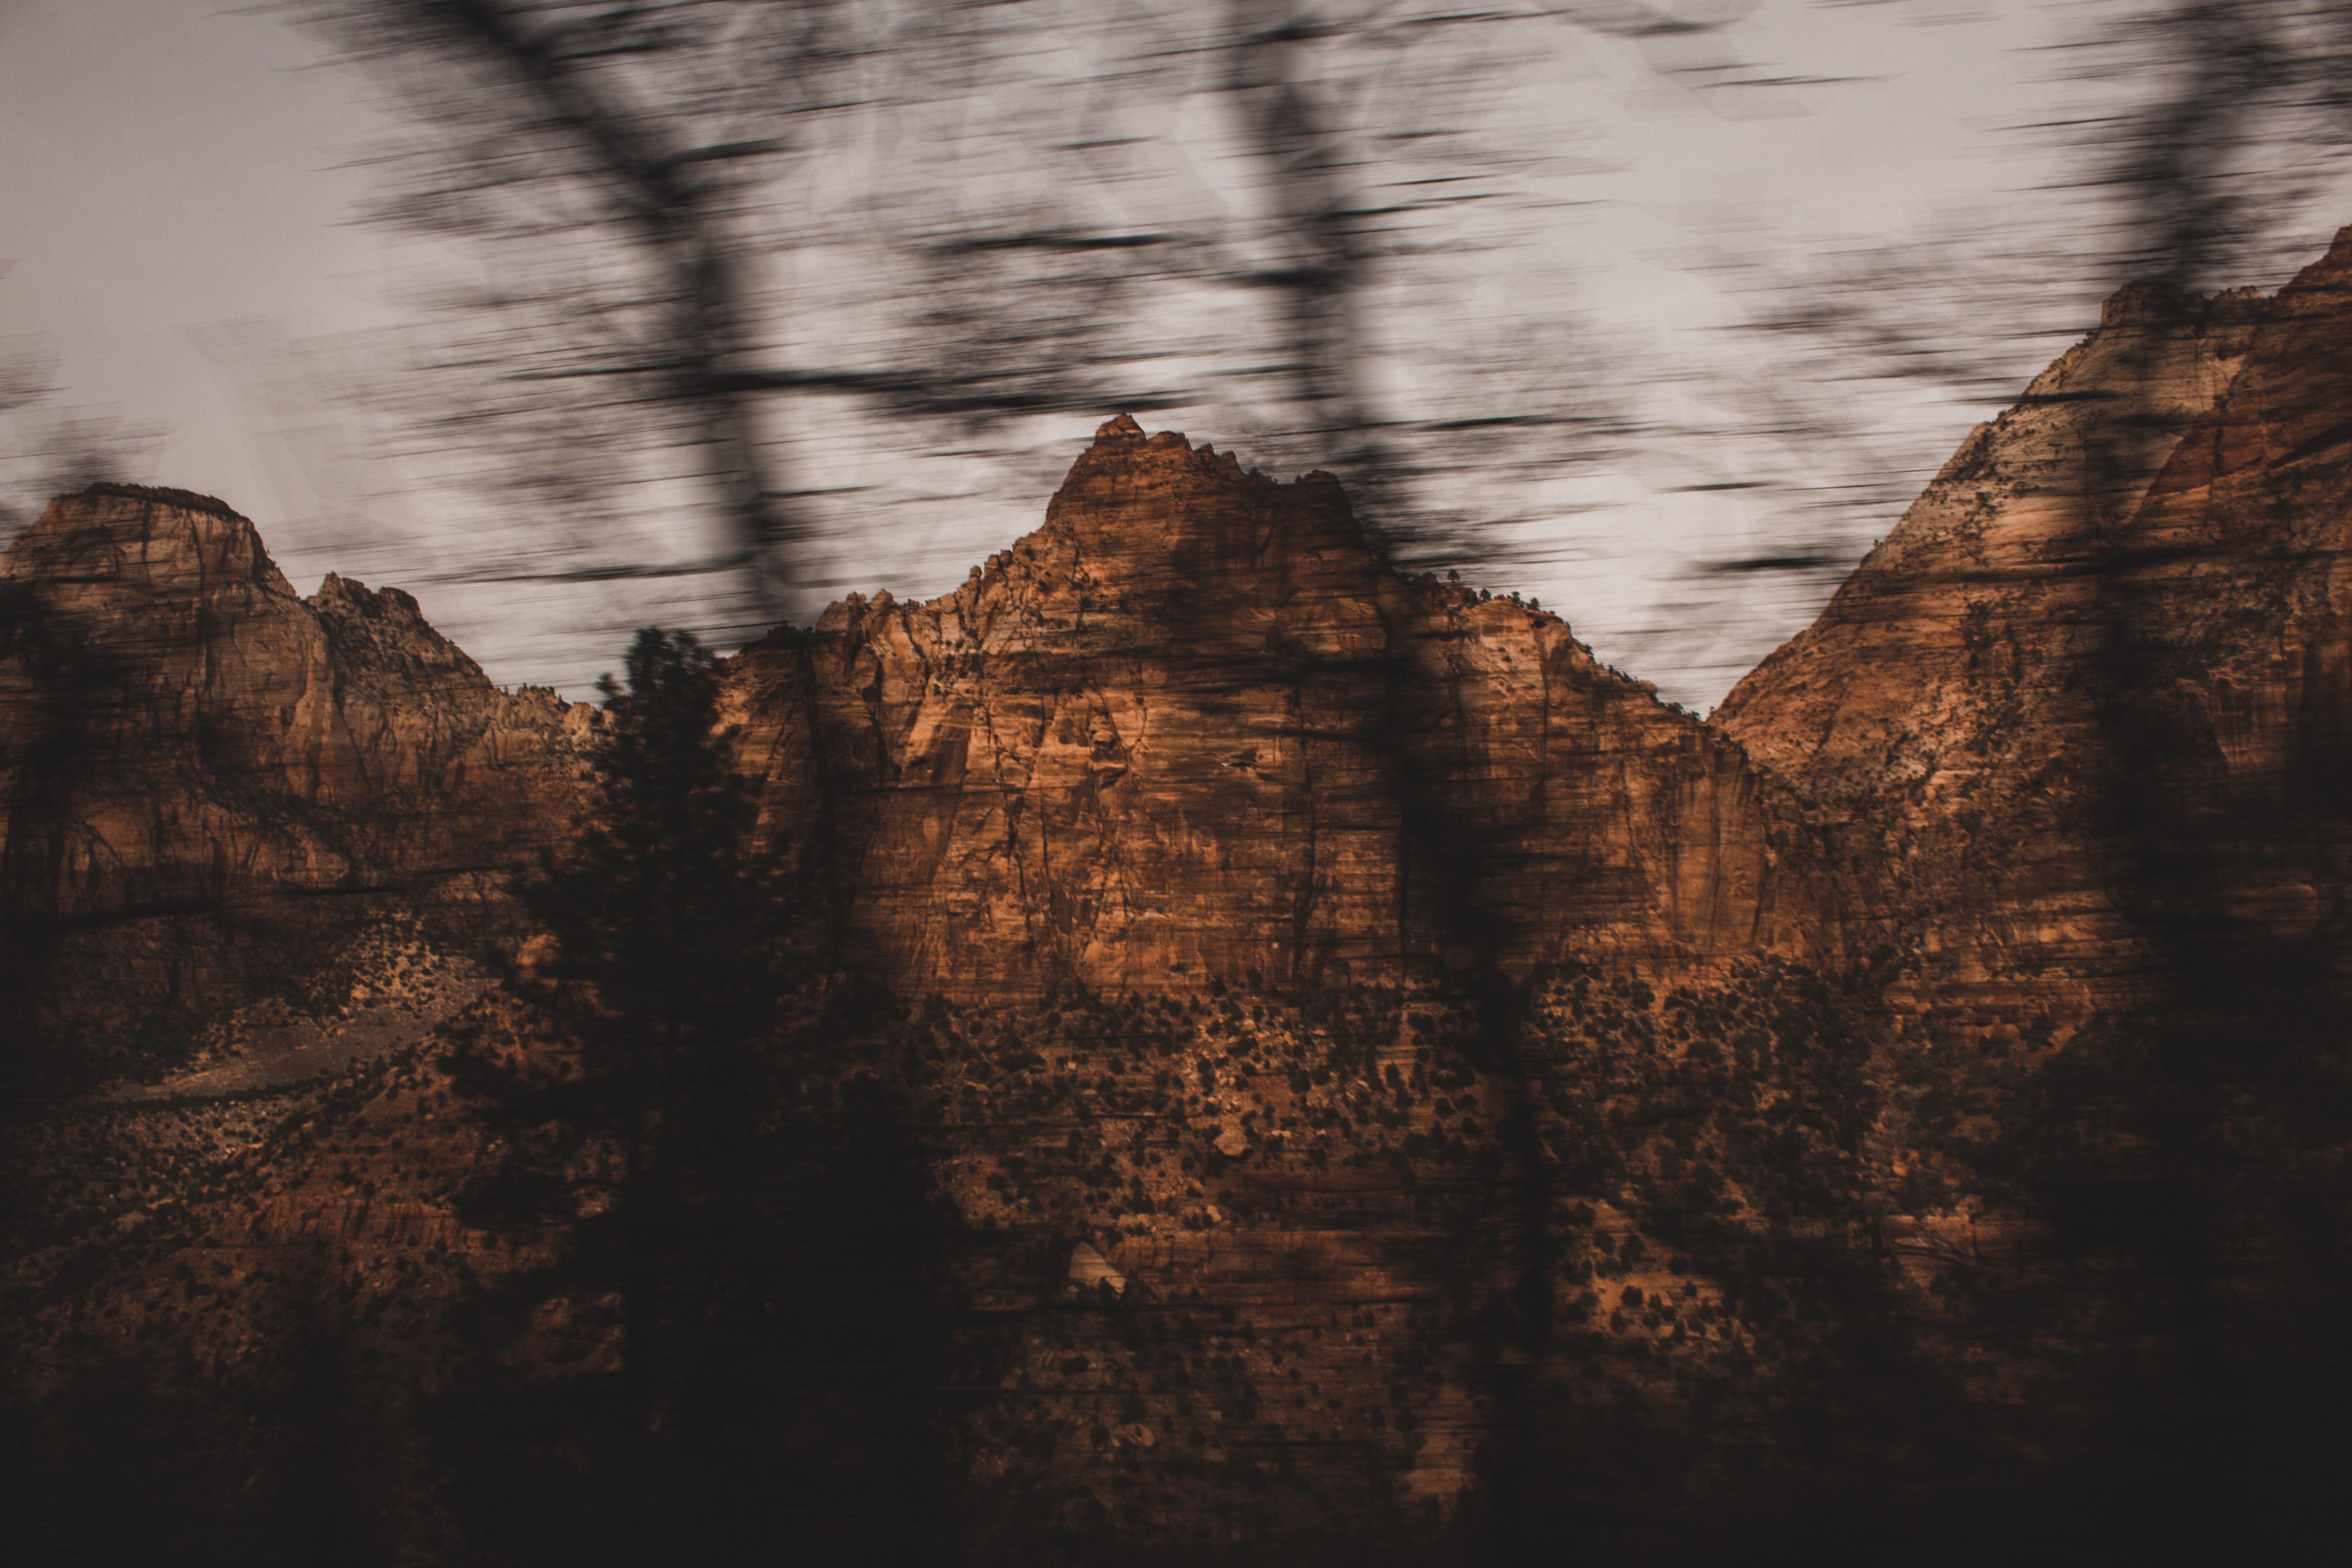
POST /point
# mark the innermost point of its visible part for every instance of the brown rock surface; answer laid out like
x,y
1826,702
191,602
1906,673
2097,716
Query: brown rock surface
x,y
2228,709
211,783
1950,718
1194,726
1189,733
2076,738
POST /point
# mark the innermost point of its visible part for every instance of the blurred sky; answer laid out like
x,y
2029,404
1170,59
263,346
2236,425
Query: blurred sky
x,y
180,178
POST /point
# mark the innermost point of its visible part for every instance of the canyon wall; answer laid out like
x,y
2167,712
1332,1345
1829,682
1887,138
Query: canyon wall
x,y
1194,726
1201,857
211,783
1191,740
1191,728
2079,713
2073,733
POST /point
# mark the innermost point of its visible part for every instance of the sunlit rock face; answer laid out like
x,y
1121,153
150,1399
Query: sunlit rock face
x,y
210,779
1956,719
1194,726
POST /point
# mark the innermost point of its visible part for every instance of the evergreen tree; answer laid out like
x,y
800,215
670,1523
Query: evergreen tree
x,y
737,1205
662,963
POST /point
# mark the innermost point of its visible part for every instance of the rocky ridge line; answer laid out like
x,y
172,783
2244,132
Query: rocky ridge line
x,y
212,785
1194,728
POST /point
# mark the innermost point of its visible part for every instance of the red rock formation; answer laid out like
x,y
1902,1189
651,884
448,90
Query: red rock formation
x,y
1192,730
1949,716
2071,741
2074,728
208,779
2228,702
1193,726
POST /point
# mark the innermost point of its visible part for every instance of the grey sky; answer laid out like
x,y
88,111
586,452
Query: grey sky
x,y
179,193
168,165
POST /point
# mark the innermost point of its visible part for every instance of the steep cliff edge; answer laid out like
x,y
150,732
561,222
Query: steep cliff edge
x,y
1194,728
1949,716
211,784
2076,737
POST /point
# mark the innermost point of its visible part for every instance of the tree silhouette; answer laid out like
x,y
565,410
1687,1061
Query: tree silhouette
x,y
734,239
660,961
737,1213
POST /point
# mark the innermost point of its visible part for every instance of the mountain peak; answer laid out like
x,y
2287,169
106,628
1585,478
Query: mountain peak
x,y
144,540
187,501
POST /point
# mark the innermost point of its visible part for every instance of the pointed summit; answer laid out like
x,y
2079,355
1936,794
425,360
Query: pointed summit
x,y
1123,428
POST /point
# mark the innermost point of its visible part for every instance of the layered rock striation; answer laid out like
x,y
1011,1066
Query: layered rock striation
x,y
2104,616
1194,728
210,781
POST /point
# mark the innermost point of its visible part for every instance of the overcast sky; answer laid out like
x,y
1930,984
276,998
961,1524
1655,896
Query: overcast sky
x,y
180,179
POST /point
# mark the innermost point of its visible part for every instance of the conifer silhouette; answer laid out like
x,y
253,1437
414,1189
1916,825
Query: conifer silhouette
x,y
661,965
735,1202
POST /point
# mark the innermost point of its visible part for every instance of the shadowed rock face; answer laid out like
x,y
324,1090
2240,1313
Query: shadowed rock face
x,y
1972,720
2077,737
1194,726
210,780
2228,692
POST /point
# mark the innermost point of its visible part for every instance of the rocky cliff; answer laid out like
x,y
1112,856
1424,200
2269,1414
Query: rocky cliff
x,y
1397,1089
213,784
1194,728
2067,729
1192,740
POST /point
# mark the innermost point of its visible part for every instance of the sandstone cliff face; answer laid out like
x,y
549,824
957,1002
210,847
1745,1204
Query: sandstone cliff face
x,y
2228,706
1192,737
1950,718
2077,738
1194,727
210,780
